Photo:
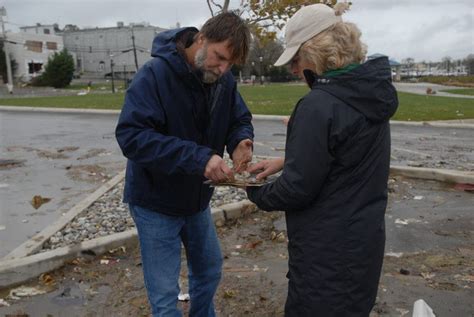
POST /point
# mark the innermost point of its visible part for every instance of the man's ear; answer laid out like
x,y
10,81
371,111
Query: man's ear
x,y
200,38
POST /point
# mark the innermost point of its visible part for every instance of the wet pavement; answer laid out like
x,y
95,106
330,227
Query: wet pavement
x,y
67,156
63,157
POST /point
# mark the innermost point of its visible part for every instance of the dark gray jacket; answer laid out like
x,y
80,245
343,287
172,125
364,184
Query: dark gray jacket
x,y
333,189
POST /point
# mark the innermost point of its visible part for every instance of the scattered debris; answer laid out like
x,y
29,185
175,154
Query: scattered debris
x,y
465,187
404,272
24,291
427,275
51,155
399,221
4,185
37,201
252,245
418,197
394,254
421,309
402,311
258,269
4,303
2,227
92,153
6,163
47,279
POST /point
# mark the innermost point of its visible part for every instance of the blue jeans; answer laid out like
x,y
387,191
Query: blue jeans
x,y
160,239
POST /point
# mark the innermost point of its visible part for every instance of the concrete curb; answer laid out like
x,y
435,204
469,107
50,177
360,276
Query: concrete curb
x,y
443,175
436,124
19,270
35,243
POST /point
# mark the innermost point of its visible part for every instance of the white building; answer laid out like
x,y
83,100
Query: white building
x,y
31,52
124,46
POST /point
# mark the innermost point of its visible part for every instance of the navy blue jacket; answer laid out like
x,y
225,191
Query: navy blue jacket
x,y
170,126
334,190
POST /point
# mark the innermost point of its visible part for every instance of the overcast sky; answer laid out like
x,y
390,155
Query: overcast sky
x,y
422,29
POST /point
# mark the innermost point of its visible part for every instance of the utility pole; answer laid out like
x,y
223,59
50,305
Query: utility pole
x,y
134,50
3,12
124,76
112,72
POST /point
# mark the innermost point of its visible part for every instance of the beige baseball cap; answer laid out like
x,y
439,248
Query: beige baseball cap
x,y
306,23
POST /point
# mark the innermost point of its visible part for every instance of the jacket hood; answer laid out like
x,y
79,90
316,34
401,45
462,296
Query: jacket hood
x,y
367,88
165,47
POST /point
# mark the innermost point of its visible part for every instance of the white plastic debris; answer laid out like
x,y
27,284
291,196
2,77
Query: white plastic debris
x,y
418,197
394,254
24,291
399,221
183,297
3,303
2,227
406,221
4,185
421,309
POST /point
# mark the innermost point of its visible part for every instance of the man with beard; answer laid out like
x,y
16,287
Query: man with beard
x,y
180,111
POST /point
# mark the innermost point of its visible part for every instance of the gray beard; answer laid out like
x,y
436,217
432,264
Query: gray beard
x,y
208,77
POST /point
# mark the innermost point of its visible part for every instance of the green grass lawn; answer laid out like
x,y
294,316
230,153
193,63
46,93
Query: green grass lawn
x,y
275,99
466,91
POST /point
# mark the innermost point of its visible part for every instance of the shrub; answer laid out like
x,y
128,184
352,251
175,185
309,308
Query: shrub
x,y
59,70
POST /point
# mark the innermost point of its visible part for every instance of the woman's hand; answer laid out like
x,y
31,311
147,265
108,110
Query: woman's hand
x,y
266,167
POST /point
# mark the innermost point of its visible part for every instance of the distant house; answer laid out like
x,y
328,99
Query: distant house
x,y
31,50
394,65
95,49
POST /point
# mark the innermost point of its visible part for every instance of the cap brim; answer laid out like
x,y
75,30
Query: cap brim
x,y
287,56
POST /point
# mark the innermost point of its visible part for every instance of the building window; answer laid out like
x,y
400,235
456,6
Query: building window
x,y
101,66
34,46
52,46
34,68
90,49
46,31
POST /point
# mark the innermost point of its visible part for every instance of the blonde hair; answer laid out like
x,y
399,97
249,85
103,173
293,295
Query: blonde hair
x,y
333,48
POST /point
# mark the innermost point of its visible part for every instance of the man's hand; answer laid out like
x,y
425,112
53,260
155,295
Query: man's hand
x,y
217,170
266,167
242,155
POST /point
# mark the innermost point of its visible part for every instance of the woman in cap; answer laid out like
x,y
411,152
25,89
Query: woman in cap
x,y
333,186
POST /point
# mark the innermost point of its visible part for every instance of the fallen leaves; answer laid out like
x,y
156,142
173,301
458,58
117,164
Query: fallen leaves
x,y
37,201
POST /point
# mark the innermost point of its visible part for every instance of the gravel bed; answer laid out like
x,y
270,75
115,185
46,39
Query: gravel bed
x,y
109,215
